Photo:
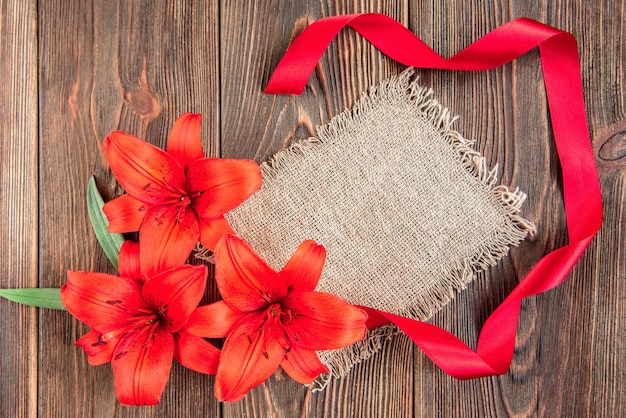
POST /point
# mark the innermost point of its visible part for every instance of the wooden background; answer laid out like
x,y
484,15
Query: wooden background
x,y
72,70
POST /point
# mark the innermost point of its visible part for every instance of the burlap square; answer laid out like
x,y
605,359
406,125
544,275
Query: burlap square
x,y
408,211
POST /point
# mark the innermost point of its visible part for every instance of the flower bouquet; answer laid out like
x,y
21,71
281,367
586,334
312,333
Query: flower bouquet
x,y
148,314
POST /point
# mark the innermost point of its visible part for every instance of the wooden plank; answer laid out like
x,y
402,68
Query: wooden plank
x,y
485,103
18,204
126,65
582,323
560,368
254,36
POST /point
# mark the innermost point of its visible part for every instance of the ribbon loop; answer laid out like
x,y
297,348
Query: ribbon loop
x,y
581,187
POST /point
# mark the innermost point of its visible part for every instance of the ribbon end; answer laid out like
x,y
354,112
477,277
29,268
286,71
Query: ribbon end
x,y
277,88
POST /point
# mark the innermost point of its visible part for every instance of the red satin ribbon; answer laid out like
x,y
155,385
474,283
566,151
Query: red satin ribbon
x,y
581,188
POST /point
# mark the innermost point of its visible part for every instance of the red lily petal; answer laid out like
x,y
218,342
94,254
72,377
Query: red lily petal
x,y
184,142
102,301
303,365
196,353
167,235
218,185
141,366
321,321
98,351
125,214
146,172
244,280
175,293
212,321
304,268
250,355
211,231
128,262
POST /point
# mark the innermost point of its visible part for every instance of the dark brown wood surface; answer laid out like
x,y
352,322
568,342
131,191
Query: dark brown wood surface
x,y
72,71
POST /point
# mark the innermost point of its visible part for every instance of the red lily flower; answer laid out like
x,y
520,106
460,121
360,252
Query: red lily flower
x,y
140,326
272,319
174,198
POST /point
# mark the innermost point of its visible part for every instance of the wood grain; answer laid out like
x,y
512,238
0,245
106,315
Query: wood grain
x,y
126,65
277,121
74,71
18,204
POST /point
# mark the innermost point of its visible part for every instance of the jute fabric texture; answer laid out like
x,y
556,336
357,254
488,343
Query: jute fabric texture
x,y
407,210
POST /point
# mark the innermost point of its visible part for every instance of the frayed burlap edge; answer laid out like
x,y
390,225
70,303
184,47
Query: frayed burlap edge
x,y
401,90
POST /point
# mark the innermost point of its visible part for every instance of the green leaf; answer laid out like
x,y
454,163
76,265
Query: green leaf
x,y
110,243
40,297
